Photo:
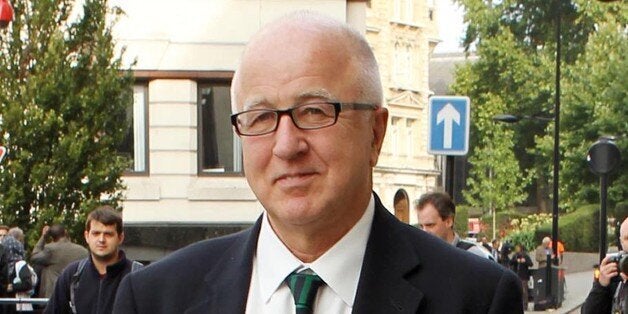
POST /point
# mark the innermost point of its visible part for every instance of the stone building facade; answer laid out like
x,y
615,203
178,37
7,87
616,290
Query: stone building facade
x,y
403,34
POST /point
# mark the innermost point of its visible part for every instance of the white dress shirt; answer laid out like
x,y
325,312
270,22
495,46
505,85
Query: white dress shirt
x,y
339,268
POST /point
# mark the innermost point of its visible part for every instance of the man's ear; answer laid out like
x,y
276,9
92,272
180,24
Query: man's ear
x,y
449,221
379,130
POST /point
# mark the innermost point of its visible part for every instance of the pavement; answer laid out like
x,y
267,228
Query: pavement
x,y
577,286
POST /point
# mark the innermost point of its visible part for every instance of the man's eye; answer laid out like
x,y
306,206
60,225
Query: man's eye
x,y
312,110
259,118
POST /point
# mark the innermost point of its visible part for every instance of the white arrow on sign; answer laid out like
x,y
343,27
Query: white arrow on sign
x,y
448,115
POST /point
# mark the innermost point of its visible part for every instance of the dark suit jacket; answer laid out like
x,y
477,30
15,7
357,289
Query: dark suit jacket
x,y
405,270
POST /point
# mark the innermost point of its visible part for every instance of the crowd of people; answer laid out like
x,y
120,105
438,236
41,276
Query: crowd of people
x,y
68,277
436,214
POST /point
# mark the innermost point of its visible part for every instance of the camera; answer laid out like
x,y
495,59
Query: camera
x,y
621,258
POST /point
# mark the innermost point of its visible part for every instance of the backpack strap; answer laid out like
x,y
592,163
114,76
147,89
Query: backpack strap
x,y
74,283
135,266
464,245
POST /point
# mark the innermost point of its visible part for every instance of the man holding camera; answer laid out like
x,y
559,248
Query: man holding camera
x,y
608,294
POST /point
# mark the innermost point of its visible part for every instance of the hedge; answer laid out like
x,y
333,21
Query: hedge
x,y
578,230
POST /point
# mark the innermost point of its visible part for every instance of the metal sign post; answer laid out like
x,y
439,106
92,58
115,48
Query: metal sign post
x,y
448,132
603,158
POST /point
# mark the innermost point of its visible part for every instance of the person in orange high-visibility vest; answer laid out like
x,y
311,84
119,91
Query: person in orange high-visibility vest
x,y
560,250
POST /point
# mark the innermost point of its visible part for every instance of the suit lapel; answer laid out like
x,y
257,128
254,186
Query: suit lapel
x,y
228,283
382,287
388,260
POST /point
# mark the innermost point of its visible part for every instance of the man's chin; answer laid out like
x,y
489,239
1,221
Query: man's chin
x,y
295,215
103,257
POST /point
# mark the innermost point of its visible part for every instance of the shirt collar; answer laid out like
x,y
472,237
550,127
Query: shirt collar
x,y
339,267
456,239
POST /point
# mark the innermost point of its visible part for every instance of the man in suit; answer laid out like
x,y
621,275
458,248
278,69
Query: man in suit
x,y
308,108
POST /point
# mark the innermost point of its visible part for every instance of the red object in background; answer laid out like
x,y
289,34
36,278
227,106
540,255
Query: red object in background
x,y
3,152
6,13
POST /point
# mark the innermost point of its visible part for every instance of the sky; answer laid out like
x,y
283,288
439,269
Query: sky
x,y
450,26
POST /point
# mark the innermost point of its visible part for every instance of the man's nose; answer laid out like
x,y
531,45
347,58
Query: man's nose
x,y
289,141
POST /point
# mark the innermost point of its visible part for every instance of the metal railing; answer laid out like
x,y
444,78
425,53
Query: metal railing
x,y
34,301
22,305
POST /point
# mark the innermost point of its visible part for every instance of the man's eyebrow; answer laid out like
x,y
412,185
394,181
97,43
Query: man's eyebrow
x,y
254,102
317,93
257,101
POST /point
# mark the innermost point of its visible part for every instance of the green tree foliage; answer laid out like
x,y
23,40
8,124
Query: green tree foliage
x,y
596,104
62,103
515,41
496,180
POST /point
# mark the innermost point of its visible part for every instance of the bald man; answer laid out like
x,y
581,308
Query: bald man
x,y
307,105
609,294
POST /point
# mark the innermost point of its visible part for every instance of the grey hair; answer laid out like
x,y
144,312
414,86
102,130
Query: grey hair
x,y
17,233
368,77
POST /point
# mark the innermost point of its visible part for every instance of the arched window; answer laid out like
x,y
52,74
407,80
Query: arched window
x,y
401,203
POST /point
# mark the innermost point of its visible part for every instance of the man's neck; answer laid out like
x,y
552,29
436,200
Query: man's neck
x,y
451,236
309,242
101,264
308,245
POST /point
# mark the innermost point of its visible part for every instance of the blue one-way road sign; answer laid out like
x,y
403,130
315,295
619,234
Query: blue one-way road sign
x,y
449,125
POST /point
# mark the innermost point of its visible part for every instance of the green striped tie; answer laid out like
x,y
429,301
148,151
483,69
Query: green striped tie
x,y
303,287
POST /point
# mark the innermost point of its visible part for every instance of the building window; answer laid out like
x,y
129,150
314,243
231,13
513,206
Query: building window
x,y
403,10
395,140
430,9
219,148
410,137
402,65
134,144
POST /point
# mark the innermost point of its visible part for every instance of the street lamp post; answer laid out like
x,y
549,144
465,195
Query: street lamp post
x,y
556,160
508,118
556,138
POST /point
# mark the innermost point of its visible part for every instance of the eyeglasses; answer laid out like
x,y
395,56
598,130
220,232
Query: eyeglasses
x,y
308,116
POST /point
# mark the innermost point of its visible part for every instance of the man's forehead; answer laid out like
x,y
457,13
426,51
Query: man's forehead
x,y
261,100
427,215
97,225
623,230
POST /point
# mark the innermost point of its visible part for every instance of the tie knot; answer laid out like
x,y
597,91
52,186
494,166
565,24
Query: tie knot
x,y
303,288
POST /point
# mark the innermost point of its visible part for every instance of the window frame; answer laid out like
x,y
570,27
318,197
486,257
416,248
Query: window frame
x,y
237,146
143,84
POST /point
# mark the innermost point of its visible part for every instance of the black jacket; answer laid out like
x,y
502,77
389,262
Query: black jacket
x,y
600,298
94,294
522,269
4,263
405,270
